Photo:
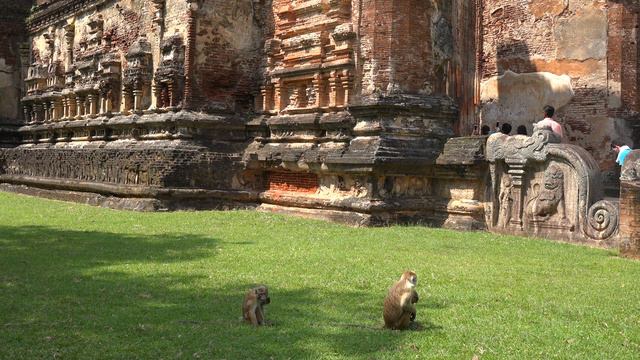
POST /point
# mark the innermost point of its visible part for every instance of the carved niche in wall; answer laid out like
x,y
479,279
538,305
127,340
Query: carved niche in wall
x,y
136,82
169,77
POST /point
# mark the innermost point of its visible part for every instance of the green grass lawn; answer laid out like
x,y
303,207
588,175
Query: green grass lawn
x,y
80,282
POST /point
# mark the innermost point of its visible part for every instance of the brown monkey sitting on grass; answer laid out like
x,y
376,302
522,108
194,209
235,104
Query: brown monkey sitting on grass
x,y
399,305
253,305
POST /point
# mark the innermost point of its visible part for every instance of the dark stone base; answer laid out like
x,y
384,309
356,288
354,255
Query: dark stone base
x,y
171,200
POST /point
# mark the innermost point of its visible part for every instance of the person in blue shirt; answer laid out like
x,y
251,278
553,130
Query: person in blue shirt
x,y
622,150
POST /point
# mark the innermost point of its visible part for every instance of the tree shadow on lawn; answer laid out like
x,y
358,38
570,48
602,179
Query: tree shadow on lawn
x,y
97,294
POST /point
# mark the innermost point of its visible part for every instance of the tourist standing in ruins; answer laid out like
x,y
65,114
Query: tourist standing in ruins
x,y
622,150
548,121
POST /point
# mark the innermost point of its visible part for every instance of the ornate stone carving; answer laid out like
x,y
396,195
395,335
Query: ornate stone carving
x,y
549,200
169,77
506,201
136,81
543,187
95,28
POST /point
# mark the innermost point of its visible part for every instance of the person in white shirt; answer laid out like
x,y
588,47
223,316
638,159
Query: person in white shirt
x,y
548,121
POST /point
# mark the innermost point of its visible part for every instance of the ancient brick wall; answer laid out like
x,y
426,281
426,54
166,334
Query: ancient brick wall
x,y
296,182
227,55
591,49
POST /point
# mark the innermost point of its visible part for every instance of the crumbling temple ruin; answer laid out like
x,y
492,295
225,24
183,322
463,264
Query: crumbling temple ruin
x,y
360,111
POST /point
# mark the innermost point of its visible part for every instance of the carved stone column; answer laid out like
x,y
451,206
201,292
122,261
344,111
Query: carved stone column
x,y
91,99
69,34
137,99
189,55
347,84
265,94
71,101
26,110
65,107
171,94
56,110
278,87
318,84
333,89
158,6
45,109
157,93
80,107
517,171
35,113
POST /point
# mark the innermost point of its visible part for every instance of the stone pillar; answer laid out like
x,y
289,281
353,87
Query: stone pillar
x,y
333,89
45,109
65,107
278,88
172,93
157,89
56,110
26,111
189,54
516,171
347,84
71,101
91,100
137,100
264,95
35,113
126,100
318,84
80,102
69,33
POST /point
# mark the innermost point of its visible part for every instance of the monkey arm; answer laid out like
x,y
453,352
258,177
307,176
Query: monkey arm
x,y
260,315
414,297
252,315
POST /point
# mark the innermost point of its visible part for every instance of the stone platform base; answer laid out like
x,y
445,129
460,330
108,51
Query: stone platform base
x,y
171,199
343,217
354,218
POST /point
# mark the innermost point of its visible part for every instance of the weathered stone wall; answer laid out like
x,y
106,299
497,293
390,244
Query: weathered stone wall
x,y
12,35
630,206
578,55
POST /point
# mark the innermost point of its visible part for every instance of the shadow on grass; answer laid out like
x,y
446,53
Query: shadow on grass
x,y
95,294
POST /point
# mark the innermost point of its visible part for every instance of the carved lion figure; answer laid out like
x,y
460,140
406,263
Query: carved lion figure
x,y
550,200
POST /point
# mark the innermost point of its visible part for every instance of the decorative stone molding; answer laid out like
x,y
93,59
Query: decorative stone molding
x,y
55,12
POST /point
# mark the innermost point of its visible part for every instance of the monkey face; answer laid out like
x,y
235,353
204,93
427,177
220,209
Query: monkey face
x,y
262,294
410,277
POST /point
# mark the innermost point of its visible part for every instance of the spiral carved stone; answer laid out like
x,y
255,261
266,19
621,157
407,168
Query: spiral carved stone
x,y
602,220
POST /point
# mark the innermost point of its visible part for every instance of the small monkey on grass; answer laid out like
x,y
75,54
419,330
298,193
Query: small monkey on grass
x,y
253,305
399,305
